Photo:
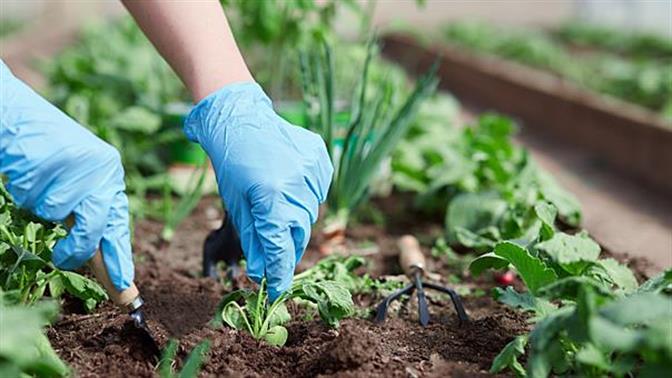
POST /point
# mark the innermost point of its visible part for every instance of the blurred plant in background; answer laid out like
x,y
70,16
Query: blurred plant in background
x,y
617,64
115,83
271,31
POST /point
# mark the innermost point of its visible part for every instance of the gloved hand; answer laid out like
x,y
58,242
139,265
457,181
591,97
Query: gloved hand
x,y
56,168
272,176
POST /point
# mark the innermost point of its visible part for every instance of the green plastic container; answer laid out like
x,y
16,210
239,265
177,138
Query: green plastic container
x,y
182,151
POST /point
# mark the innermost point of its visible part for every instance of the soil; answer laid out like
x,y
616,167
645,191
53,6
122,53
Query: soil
x,y
180,305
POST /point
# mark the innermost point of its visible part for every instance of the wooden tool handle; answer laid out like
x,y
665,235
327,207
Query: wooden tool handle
x,y
122,299
410,256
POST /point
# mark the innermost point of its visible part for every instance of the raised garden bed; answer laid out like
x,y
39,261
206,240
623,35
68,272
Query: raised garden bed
x,y
627,136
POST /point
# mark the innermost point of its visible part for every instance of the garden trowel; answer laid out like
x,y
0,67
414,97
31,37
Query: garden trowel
x,y
128,299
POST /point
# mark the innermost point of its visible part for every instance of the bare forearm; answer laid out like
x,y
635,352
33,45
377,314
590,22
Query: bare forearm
x,y
196,40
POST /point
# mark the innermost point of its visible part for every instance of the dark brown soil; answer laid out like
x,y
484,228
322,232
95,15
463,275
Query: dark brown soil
x,y
181,305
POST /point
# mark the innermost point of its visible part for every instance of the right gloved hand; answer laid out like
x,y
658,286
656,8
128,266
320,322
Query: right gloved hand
x,y
56,168
272,177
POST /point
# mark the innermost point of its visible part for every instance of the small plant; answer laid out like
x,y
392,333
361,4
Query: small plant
x,y
192,364
26,271
265,321
343,270
378,121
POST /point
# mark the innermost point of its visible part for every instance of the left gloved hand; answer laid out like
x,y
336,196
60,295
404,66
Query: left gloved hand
x,y
272,176
56,168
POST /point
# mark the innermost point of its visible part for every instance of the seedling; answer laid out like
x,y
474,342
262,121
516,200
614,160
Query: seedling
x,y
192,364
265,321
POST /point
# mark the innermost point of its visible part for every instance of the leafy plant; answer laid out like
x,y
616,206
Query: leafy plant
x,y
375,126
487,187
26,270
343,270
587,310
24,349
192,364
125,93
620,41
265,321
268,30
645,81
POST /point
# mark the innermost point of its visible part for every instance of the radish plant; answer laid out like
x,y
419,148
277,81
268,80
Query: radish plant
x,y
378,121
587,310
250,311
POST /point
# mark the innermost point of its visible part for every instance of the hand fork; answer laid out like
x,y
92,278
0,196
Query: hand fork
x,y
412,261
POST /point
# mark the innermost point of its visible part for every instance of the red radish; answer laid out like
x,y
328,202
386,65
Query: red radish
x,y
506,278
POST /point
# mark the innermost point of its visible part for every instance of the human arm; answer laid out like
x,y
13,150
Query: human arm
x,y
195,39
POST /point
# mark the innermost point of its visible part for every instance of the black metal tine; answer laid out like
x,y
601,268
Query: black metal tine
x,y
423,311
457,301
381,310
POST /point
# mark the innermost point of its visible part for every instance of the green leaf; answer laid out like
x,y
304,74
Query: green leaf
x,y
532,270
569,287
640,308
570,251
619,275
333,300
473,212
524,301
472,240
165,367
545,351
508,357
487,261
234,316
138,119
23,344
276,335
31,231
590,355
83,288
661,282
280,316
56,286
612,336
192,365
547,214
568,206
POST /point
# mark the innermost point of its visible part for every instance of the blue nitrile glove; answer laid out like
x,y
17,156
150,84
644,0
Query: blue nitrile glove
x,y
56,168
272,176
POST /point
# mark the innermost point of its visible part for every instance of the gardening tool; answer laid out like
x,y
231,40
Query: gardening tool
x,y
412,261
222,244
128,299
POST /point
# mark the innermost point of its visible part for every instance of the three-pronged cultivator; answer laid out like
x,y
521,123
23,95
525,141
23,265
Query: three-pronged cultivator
x,y
412,262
